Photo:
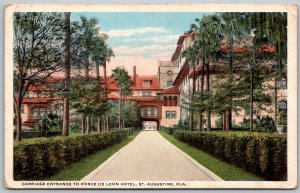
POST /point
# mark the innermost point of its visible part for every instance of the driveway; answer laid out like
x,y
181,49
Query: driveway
x,y
150,157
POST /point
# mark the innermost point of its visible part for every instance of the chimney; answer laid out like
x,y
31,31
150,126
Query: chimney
x,y
134,75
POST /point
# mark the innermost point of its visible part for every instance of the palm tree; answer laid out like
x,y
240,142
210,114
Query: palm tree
x,y
88,37
65,130
108,54
123,81
212,28
231,28
191,55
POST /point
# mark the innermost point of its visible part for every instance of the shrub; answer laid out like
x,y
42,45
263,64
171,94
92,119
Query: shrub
x,y
41,157
264,154
30,134
219,122
264,124
169,130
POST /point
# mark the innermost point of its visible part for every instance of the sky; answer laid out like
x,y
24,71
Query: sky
x,y
141,39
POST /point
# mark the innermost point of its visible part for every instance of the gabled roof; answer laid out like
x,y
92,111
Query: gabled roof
x,y
171,90
140,80
112,84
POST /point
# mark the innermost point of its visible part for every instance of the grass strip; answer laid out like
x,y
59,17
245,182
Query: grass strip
x,y
80,169
223,169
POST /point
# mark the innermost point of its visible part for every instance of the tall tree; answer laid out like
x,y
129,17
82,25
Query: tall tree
x,y
37,53
65,130
191,55
123,81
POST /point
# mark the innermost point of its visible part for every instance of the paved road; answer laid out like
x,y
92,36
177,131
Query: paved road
x,y
149,157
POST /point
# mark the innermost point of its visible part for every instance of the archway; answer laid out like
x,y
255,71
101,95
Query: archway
x,y
150,125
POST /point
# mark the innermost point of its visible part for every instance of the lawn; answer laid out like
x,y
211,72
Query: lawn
x,y
224,170
80,169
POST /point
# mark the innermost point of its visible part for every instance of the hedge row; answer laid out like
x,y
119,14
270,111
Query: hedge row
x,y
169,130
42,157
34,134
264,154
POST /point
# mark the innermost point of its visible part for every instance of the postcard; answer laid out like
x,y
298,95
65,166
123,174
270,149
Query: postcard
x,y
156,96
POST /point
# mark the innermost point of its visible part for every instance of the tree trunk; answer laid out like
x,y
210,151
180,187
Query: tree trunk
x,y
98,71
223,121
275,97
18,118
208,90
107,123
103,120
200,121
98,125
201,90
66,116
120,108
191,125
105,78
86,68
88,125
227,120
83,124
251,100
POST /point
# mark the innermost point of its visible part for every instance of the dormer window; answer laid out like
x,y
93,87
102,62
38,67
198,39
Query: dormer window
x,y
147,83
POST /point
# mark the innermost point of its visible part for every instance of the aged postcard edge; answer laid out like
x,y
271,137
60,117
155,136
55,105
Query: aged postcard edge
x,y
292,77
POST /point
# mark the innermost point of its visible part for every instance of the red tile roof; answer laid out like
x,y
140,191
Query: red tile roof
x,y
171,90
112,84
140,80
36,100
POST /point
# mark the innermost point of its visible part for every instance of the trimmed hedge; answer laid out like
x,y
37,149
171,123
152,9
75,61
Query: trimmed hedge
x,y
264,154
42,157
35,134
169,130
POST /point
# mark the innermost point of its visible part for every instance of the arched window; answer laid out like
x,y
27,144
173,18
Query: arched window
x,y
170,101
282,106
175,101
165,101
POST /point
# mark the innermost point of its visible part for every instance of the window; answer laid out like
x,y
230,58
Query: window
x,y
34,112
155,112
146,93
170,101
142,112
165,101
170,73
168,115
147,83
282,106
281,84
22,109
149,112
169,83
173,114
42,112
175,101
